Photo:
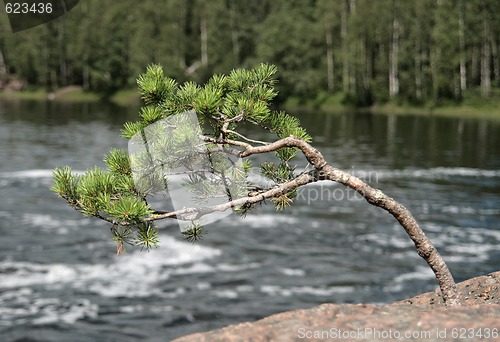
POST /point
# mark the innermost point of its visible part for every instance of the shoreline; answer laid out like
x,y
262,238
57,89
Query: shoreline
x,y
122,97
455,111
490,109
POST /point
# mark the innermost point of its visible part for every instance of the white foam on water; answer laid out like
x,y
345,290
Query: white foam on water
x,y
292,272
47,222
21,306
35,173
129,275
475,252
59,311
453,209
133,275
275,290
421,273
200,267
371,176
229,294
27,174
224,267
270,220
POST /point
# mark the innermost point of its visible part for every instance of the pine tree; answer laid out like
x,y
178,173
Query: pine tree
x,y
224,103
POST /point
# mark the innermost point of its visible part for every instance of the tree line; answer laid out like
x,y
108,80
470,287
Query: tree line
x,y
369,51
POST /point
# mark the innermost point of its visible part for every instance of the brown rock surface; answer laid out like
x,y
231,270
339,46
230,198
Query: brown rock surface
x,y
423,315
479,290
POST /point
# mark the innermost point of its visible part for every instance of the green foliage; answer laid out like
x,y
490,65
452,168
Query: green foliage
x,y
154,86
225,102
118,162
128,209
131,128
147,236
65,184
194,232
342,48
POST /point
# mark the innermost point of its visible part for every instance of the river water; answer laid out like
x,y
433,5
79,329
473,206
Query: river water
x,y
60,279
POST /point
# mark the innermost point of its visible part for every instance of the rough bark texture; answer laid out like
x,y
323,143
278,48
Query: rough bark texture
x,y
345,48
426,316
393,56
329,55
461,35
485,59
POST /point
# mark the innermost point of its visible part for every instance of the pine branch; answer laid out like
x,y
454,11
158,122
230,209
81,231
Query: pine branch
x,y
224,102
326,172
197,212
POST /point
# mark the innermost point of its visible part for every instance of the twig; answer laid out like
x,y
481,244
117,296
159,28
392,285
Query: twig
x,y
245,138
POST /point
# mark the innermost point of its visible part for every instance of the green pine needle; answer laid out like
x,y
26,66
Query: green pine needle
x,y
147,236
132,128
65,184
224,102
151,114
194,232
154,87
118,162
128,209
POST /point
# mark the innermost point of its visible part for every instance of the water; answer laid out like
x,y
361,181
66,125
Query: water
x,y
60,279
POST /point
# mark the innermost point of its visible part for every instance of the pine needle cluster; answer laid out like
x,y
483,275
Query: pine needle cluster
x,y
224,103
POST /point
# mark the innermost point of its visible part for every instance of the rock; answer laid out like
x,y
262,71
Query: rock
x,y
12,84
425,316
479,290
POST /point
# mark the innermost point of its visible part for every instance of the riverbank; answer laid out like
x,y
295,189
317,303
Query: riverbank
x,y
471,107
73,94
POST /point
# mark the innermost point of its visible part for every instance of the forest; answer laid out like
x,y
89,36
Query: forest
x,y
363,51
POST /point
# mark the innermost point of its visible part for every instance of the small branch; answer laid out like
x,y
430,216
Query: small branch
x,y
376,197
245,138
78,206
274,192
237,118
226,141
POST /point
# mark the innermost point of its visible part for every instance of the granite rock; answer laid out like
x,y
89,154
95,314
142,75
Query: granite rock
x,y
423,317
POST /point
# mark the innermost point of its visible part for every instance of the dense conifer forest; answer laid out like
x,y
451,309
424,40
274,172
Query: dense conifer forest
x,y
365,51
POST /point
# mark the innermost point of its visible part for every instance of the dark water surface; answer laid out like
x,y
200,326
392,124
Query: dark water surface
x,y
60,279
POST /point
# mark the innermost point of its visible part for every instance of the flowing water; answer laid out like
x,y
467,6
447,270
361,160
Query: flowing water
x,y
60,279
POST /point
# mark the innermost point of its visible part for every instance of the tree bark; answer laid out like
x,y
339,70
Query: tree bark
x,y
63,68
345,47
461,37
393,57
86,76
3,67
234,32
204,39
485,59
418,69
496,62
434,72
329,55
